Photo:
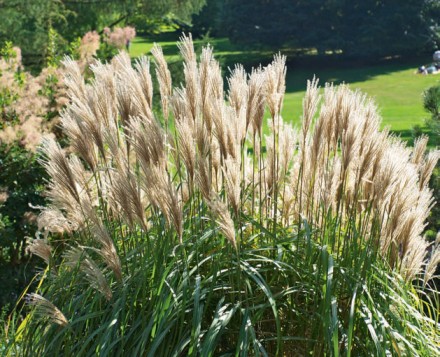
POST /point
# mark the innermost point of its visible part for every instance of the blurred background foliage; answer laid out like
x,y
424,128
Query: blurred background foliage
x,y
354,29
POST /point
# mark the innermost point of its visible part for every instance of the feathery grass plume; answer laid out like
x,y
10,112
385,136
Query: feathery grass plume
x,y
186,48
148,140
256,100
126,196
131,79
163,195
164,78
52,220
101,235
350,145
142,66
187,146
221,115
419,149
117,149
412,261
44,308
369,125
288,141
216,80
126,106
121,61
310,106
432,265
80,139
63,186
203,178
104,88
78,258
202,138
238,92
367,154
93,112
270,168
130,98
231,171
89,123
102,94
319,133
192,76
276,84
223,218
238,89
327,115
179,105
206,82
427,167
40,248
73,79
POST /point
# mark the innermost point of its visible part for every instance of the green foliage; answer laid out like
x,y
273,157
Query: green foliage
x,y
7,51
209,19
7,98
431,103
54,51
73,48
44,28
433,226
49,90
22,179
182,10
416,131
106,52
278,294
27,24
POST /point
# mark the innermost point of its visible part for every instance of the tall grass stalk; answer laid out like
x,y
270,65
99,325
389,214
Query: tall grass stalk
x,y
192,233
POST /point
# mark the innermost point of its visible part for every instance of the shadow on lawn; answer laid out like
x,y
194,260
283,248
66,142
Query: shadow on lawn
x,y
408,136
299,70
301,67
333,72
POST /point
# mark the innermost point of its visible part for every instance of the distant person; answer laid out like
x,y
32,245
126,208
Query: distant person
x,y
422,70
128,43
431,69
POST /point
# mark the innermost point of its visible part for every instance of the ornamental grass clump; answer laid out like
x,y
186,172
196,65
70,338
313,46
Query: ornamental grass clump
x,y
216,228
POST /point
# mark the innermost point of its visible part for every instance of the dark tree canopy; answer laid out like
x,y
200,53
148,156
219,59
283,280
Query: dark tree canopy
x,y
362,27
26,23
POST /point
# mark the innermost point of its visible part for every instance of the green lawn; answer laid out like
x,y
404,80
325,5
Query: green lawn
x,y
394,85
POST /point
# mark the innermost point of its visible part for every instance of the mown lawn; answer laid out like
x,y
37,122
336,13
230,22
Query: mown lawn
x,y
393,84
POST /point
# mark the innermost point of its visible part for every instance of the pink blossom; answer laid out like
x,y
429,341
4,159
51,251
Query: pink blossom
x,y
119,37
89,45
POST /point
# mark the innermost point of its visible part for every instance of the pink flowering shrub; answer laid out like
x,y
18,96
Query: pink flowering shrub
x,y
89,45
119,37
29,105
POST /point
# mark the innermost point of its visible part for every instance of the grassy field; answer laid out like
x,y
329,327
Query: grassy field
x,y
393,84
